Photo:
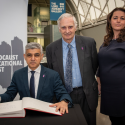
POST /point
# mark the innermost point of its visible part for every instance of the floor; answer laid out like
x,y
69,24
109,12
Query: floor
x,y
101,119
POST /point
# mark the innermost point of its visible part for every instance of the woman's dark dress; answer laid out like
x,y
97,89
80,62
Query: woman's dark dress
x,y
112,76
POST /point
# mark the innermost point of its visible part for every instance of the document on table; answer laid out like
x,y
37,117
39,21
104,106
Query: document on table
x,y
17,108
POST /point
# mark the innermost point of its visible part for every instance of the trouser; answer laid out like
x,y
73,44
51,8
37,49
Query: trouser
x,y
117,120
78,97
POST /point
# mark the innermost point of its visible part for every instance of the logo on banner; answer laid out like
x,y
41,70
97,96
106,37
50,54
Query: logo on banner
x,y
12,40
57,8
11,59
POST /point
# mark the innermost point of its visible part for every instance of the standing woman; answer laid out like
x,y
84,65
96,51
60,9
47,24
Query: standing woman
x,y
111,72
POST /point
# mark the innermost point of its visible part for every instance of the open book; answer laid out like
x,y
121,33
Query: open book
x,y
17,108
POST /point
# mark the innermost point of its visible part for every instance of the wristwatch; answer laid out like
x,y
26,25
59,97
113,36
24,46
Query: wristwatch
x,y
66,100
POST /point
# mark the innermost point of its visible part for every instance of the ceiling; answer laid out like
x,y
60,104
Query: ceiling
x,y
87,12
40,3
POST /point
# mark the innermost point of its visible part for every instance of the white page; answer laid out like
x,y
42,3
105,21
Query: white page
x,y
9,107
15,114
35,104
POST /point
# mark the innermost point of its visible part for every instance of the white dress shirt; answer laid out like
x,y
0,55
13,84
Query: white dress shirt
x,y
36,78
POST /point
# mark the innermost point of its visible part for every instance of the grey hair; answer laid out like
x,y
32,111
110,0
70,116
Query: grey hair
x,y
66,15
33,45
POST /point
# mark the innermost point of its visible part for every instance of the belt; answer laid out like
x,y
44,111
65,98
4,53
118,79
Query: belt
x,y
78,88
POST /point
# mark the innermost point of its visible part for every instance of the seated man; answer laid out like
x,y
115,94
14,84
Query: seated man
x,y
37,81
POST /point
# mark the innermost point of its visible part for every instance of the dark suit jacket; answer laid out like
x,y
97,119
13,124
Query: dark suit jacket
x,y
87,57
49,84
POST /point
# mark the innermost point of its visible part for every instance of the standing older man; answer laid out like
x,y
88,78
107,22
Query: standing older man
x,y
75,59
36,81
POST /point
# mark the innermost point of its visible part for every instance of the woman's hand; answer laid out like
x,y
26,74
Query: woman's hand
x,y
99,84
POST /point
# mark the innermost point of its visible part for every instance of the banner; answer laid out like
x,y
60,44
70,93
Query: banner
x,y
13,38
57,8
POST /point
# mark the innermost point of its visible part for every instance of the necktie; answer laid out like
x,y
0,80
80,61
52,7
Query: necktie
x,y
32,86
68,71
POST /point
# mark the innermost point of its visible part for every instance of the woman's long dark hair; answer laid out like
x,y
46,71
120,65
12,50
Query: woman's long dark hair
x,y
109,29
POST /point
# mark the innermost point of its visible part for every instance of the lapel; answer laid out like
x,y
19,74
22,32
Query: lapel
x,y
80,46
59,57
25,80
41,81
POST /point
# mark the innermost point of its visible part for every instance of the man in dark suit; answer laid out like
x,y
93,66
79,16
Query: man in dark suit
x,y
43,84
81,57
